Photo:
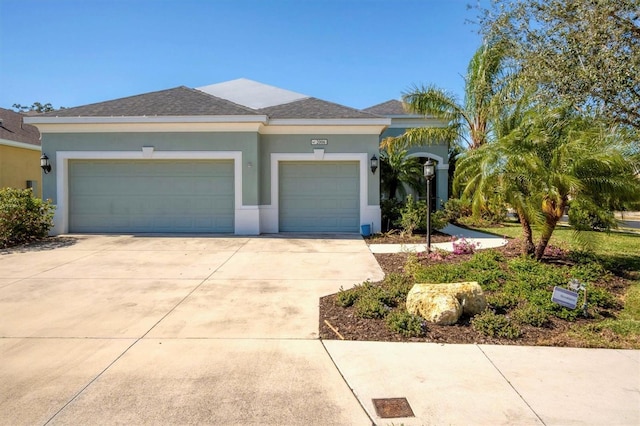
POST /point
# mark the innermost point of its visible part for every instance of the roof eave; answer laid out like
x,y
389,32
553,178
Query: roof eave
x,y
330,122
23,145
148,119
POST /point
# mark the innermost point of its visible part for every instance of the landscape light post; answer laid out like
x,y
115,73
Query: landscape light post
x,y
429,171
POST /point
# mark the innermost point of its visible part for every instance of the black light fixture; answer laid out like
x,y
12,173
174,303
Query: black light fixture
x,y
374,164
429,172
44,163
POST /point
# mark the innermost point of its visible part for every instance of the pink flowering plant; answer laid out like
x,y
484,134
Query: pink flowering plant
x,y
464,246
434,255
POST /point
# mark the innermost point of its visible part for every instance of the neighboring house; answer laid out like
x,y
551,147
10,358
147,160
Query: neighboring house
x,y
400,122
19,153
235,157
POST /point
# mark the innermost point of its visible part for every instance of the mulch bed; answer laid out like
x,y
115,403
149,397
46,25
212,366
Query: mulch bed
x,y
353,328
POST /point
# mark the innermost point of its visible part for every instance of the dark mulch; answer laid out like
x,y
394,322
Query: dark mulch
x,y
354,328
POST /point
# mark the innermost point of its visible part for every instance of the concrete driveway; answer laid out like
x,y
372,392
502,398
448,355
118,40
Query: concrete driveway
x,y
180,330
192,330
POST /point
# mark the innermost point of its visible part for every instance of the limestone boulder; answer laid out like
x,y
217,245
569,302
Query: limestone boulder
x,y
443,304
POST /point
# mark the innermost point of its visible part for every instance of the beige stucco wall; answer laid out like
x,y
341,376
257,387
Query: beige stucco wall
x,y
18,165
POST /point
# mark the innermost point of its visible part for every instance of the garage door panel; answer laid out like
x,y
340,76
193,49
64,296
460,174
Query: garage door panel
x,y
151,196
319,197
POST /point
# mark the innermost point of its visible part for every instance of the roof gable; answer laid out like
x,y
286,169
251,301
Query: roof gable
x,y
390,107
13,128
179,101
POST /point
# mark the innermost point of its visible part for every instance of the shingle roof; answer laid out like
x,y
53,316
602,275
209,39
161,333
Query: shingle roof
x,y
313,108
391,107
179,101
184,101
12,128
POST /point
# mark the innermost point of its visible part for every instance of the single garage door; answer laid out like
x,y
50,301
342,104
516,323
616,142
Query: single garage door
x,y
151,196
319,197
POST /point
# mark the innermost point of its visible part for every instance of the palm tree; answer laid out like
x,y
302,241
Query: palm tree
x,y
467,125
552,156
396,171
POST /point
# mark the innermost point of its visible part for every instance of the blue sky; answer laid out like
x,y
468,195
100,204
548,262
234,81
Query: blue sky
x,y
353,52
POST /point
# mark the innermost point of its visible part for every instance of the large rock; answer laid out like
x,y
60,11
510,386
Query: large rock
x,y
443,304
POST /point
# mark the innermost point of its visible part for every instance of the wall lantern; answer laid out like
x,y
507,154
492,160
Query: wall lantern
x,y
374,164
44,163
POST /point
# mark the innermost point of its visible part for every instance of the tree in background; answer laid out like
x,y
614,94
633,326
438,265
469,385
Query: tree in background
x,y
467,124
35,107
582,52
397,170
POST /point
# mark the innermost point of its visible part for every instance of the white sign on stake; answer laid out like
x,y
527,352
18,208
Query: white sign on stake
x,y
564,297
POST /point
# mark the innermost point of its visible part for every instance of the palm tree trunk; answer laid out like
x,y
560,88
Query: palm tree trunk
x,y
549,225
553,211
529,247
393,188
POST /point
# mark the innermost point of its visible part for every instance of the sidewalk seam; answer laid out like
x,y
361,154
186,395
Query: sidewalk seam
x,y
373,423
511,385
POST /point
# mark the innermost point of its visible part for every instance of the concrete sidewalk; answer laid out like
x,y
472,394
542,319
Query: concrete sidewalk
x,y
493,385
483,241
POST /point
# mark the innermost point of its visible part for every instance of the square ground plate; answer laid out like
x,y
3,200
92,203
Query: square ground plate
x,y
388,408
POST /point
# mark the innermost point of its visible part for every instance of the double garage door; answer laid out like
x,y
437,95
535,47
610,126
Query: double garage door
x,y
319,196
151,196
137,196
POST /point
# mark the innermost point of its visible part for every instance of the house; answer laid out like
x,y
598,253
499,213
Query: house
x,y
438,153
19,153
235,157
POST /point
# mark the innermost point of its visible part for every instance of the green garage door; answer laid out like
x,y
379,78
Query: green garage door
x,y
151,196
319,197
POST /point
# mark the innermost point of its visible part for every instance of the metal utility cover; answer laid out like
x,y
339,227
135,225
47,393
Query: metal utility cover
x,y
388,408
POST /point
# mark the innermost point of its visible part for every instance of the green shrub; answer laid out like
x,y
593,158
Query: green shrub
x,y
406,324
369,305
486,259
503,300
601,298
390,212
397,287
409,217
531,274
531,314
455,208
346,298
412,265
413,217
588,272
524,264
23,218
438,220
493,325
444,273
565,313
